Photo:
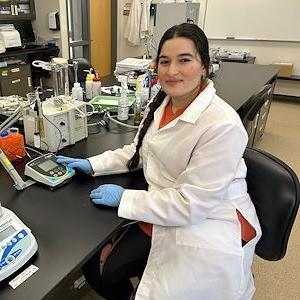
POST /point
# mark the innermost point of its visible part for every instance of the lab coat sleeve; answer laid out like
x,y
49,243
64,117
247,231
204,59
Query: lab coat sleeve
x,y
197,190
114,161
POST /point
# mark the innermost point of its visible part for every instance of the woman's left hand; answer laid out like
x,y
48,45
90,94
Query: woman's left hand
x,y
107,194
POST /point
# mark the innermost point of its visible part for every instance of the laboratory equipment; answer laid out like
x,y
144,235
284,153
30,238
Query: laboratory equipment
x,y
89,84
77,91
17,243
96,85
20,184
162,19
137,112
46,170
65,123
123,103
60,75
59,71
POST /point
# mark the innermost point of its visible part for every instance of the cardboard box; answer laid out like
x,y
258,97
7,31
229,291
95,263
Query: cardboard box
x,y
286,69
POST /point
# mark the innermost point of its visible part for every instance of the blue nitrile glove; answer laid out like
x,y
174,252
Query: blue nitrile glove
x,y
107,194
75,163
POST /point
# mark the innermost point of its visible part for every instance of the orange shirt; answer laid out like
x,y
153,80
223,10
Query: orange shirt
x,y
248,232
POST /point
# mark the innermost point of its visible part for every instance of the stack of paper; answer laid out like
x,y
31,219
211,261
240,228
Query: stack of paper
x,y
131,64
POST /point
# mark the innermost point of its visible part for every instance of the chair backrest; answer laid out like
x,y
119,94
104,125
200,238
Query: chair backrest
x,y
83,64
274,190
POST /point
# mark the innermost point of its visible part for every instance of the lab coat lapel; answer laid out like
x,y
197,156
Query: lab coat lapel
x,y
159,112
194,110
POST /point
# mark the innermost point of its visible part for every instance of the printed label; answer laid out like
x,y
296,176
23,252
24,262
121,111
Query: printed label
x,y
23,276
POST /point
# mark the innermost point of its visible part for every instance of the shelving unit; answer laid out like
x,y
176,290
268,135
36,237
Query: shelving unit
x,y
17,10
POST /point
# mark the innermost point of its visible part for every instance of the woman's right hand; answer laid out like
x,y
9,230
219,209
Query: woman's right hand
x,y
76,163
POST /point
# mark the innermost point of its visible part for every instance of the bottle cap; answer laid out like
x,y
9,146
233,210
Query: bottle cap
x,y
90,77
97,77
76,84
14,129
4,134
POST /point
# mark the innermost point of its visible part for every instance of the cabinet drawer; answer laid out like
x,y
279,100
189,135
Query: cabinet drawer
x,y
15,72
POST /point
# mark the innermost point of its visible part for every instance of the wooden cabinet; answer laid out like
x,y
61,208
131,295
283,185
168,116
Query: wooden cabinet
x,y
17,10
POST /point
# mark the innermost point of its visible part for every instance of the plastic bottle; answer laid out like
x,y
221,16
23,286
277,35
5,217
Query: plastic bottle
x,y
17,143
96,85
12,144
5,143
123,106
89,85
137,111
77,91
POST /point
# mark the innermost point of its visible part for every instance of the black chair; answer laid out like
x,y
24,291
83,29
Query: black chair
x,y
83,64
274,190
250,112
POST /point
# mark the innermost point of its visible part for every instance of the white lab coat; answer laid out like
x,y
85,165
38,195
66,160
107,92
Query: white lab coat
x,y
132,29
145,18
196,177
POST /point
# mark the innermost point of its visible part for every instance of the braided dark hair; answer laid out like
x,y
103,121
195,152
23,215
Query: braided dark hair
x,y
193,33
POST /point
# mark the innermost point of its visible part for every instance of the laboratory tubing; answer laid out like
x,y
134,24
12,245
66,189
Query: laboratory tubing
x,y
96,85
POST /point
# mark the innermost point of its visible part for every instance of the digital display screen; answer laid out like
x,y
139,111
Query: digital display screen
x,y
7,232
48,165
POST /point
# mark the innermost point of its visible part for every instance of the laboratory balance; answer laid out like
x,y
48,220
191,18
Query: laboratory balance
x,y
17,243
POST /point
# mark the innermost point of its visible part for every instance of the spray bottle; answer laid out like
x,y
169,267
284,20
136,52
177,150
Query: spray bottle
x,y
123,104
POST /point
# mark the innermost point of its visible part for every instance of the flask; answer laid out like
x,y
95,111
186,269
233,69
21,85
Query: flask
x,y
137,111
123,106
77,91
96,85
89,85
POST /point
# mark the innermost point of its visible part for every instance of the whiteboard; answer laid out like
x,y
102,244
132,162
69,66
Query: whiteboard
x,y
276,20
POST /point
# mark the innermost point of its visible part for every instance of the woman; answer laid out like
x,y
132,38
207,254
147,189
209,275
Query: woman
x,y
190,145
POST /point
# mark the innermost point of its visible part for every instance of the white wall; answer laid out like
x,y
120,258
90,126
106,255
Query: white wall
x,y
265,53
40,24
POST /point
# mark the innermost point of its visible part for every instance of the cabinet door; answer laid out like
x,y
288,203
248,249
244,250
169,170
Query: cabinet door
x,y
16,80
17,10
6,9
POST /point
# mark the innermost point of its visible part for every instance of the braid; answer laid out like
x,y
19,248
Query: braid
x,y
134,160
